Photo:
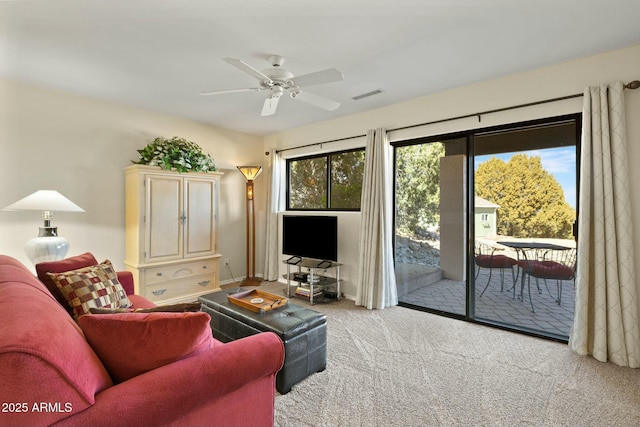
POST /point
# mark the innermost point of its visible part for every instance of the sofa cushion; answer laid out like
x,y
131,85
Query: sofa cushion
x,y
130,344
139,301
44,355
171,308
93,286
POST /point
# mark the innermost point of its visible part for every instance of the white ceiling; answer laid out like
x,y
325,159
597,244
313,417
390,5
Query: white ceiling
x,y
159,54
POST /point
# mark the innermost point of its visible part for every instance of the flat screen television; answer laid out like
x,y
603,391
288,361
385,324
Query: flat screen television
x,y
310,236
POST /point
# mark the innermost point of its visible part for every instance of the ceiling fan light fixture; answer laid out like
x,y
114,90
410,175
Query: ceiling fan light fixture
x,y
276,92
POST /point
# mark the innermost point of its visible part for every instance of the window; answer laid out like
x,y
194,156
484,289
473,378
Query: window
x,y
331,181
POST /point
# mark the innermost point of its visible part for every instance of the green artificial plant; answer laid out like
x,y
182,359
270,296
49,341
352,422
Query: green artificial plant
x,y
176,153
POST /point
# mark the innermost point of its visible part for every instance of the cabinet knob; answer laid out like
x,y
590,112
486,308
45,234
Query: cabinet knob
x,y
159,292
158,274
204,282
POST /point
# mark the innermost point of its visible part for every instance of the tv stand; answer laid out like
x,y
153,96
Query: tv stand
x,y
294,260
313,279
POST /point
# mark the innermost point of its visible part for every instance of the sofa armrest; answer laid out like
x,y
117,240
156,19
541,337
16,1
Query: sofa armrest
x,y
208,388
126,280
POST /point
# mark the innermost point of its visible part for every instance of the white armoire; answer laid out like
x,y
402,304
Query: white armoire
x,y
172,233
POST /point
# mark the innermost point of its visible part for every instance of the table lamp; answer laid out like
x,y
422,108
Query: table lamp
x,y
251,173
48,246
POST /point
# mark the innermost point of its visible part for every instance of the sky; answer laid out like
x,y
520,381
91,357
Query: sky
x,y
560,162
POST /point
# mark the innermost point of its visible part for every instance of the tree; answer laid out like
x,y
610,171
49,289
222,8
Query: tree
x,y
531,200
308,181
418,186
347,171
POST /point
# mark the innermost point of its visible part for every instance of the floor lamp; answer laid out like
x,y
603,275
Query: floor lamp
x,y
251,173
48,246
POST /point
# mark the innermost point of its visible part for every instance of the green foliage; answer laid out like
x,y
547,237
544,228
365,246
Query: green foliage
x,y
531,201
418,187
308,181
176,153
347,171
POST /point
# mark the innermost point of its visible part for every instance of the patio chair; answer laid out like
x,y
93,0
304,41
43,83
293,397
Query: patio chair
x,y
486,257
550,264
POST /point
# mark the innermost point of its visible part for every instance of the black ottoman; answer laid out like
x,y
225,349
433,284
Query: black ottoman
x,y
303,332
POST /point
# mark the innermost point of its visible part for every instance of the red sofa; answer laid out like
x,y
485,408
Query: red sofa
x,y
50,375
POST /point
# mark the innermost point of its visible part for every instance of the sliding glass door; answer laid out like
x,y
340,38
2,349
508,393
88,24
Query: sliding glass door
x,y
481,217
430,224
525,187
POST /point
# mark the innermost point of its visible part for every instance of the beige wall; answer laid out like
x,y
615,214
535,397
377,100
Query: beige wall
x,y
550,82
80,146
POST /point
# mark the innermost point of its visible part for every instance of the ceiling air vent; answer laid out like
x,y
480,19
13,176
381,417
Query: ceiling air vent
x,y
368,94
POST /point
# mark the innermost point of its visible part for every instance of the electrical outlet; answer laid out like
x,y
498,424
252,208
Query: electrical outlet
x,y
226,262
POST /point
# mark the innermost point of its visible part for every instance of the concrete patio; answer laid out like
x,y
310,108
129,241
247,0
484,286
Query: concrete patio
x,y
420,286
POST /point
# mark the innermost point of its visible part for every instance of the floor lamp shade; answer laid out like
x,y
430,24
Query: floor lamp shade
x,y
251,173
48,246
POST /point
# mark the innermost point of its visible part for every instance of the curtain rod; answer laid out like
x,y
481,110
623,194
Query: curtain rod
x,y
631,85
635,84
320,143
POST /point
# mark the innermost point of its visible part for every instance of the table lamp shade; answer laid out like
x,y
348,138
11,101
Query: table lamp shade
x,y
44,200
48,246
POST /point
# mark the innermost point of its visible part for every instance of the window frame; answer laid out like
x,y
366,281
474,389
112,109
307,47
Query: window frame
x,y
328,183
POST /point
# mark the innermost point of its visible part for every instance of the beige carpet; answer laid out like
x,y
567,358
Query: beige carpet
x,y
400,367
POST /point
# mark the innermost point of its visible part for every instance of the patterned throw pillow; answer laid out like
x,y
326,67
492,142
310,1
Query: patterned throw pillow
x,y
94,286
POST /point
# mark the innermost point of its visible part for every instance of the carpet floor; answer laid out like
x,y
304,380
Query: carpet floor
x,y
401,367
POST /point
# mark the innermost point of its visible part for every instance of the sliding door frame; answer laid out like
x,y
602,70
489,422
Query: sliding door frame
x,y
469,135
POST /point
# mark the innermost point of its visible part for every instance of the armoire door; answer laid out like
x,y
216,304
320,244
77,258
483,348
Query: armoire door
x,y
200,217
164,218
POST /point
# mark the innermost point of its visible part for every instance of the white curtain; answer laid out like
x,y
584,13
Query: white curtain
x,y
376,286
275,204
606,323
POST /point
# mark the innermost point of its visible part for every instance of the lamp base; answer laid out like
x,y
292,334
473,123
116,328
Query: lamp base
x,y
46,248
252,281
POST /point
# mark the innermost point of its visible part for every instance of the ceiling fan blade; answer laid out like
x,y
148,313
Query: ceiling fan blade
x,y
247,69
319,77
317,100
270,105
219,92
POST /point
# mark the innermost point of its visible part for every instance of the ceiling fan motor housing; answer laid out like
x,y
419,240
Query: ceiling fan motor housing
x,y
276,60
279,76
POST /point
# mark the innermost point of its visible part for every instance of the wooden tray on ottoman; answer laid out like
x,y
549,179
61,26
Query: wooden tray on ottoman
x,y
257,300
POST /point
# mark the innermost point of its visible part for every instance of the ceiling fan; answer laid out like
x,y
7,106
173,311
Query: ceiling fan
x,y
276,80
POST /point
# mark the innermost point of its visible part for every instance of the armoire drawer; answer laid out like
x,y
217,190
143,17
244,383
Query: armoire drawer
x,y
180,287
175,271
